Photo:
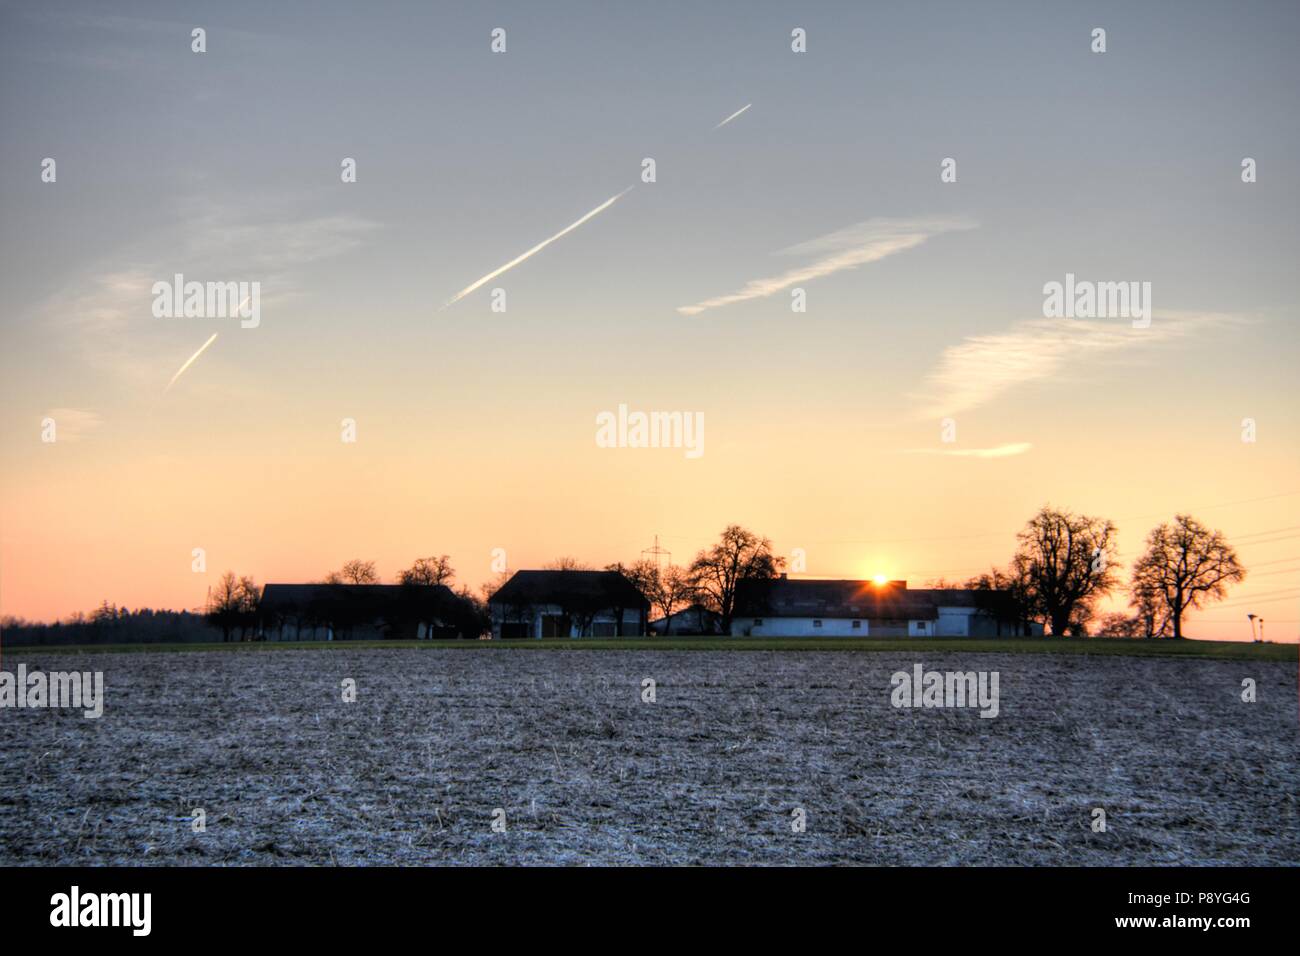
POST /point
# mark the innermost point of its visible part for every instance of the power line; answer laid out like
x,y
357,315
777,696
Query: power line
x,y
1261,564
1285,537
1269,574
1258,534
1225,504
1276,598
1241,622
994,534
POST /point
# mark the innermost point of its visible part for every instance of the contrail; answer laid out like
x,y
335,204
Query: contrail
x,y
535,249
733,116
189,362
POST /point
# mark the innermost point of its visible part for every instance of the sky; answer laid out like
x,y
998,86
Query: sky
x,y
476,430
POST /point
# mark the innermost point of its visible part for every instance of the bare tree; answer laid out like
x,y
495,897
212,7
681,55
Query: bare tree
x,y
668,589
566,564
674,591
1067,562
738,555
1184,565
1152,615
494,584
1119,624
429,571
1006,595
233,604
249,599
355,571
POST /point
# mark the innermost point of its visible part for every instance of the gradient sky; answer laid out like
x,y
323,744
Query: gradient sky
x,y
476,429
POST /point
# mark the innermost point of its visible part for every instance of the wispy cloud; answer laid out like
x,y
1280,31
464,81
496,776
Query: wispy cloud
x,y
1000,451
982,367
73,424
105,318
478,283
733,116
847,248
111,42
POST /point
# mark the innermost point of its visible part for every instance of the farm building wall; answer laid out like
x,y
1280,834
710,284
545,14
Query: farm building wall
x,y
816,627
549,621
952,622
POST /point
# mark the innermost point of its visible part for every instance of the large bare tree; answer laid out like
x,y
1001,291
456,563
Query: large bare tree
x,y
641,573
233,603
1066,563
429,571
674,591
667,589
738,555
1184,565
355,571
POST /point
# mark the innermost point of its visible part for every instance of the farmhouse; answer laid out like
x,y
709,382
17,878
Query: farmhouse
x,y
568,604
330,612
782,607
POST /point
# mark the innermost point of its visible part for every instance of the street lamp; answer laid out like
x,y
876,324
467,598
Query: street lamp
x,y
1251,618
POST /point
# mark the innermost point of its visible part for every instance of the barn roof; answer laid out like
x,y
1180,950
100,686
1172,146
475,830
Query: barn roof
x,y
803,597
301,598
594,589
694,610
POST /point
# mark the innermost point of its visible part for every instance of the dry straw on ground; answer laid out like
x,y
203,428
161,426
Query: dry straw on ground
x,y
710,773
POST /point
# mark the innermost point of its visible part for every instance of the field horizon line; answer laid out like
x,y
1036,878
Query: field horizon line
x,y
1094,646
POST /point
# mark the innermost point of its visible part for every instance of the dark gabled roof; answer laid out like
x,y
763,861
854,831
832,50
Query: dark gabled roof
x,y
377,598
695,610
783,597
586,589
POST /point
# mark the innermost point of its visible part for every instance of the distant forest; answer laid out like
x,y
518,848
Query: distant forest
x,y
108,624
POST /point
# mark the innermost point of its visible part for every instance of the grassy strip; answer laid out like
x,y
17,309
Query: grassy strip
x,y
1216,650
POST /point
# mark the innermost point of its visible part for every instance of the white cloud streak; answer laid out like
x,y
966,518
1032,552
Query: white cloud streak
x,y
535,249
189,361
733,116
105,318
847,248
1000,451
983,367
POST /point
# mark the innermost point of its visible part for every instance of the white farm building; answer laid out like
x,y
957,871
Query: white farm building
x,y
782,607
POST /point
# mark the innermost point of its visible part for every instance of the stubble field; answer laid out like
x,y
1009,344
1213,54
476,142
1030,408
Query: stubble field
x,y
712,772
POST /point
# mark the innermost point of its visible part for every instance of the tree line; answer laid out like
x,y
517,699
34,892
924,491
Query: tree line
x,y
1063,566
234,604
